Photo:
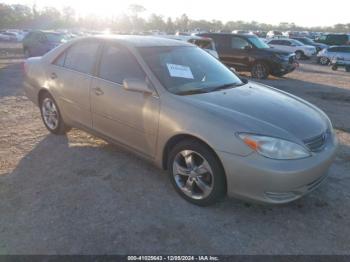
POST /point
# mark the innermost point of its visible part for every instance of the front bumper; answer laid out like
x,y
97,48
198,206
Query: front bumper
x,y
284,67
265,180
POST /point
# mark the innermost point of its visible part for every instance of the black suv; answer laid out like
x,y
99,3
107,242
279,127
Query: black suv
x,y
37,43
334,39
249,53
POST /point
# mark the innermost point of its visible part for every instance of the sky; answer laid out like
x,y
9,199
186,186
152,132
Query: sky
x,y
301,12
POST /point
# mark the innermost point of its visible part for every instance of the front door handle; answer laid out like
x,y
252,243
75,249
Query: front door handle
x,y
98,91
53,76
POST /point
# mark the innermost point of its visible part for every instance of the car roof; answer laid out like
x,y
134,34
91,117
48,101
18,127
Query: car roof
x,y
141,41
227,34
186,37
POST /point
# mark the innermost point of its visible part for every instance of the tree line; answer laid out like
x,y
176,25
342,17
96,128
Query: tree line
x,y
17,16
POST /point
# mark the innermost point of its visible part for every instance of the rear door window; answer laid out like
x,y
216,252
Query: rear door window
x,y
59,61
81,56
117,64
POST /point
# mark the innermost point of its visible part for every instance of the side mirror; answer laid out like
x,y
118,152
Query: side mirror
x,y
137,85
233,69
248,47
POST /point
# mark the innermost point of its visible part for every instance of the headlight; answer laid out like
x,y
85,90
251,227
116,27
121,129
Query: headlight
x,y
275,148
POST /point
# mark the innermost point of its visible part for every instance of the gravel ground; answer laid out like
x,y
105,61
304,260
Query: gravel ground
x,y
77,194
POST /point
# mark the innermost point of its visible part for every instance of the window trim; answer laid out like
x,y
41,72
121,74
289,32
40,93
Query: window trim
x,y
64,52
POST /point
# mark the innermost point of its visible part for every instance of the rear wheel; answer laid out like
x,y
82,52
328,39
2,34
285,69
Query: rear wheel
x,y
196,173
299,55
51,115
334,67
260,70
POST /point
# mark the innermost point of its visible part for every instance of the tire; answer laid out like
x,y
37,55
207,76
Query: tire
x,y
299,55
51,115
196,173
278,74
347,68
323,60
260,70
334,67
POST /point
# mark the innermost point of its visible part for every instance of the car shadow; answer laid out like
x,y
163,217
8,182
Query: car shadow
x,y
81,195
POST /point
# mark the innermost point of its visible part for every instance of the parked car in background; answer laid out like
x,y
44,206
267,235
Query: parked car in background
x,y
249,53
9,36
291,45
205,43
37,43
273,33
182,109
334,39
325,56
4,37
241,32
309,41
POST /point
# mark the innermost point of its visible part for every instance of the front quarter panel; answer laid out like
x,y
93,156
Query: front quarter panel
x,y
180,118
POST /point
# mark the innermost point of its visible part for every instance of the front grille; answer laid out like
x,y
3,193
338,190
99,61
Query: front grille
x,y
316,143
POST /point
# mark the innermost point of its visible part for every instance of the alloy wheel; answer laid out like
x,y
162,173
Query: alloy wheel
x,y
50,113
193,174
324,60
260,71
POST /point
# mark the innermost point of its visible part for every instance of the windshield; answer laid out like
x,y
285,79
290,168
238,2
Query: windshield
x,y
306,40
188,70
296,42
258,43
53,37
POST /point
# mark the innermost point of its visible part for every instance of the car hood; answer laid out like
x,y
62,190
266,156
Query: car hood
x,y
320,45
260,109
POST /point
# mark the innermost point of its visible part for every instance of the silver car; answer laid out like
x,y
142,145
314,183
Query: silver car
x,y
178,106
325,56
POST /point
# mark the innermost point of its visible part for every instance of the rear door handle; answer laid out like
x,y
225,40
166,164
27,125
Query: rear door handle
x,y
98,91
53,76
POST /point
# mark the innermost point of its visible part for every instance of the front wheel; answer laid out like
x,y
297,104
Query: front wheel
x,y
347,68
324,60
334,67
196,173
51,115
260,70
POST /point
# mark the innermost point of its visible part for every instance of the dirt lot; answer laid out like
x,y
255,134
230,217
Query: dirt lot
x,y
78,194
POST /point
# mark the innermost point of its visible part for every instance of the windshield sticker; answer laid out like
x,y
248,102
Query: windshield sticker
x,y
179,71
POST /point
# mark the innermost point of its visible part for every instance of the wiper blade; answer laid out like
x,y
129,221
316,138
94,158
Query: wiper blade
x,y
192,92
225,86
